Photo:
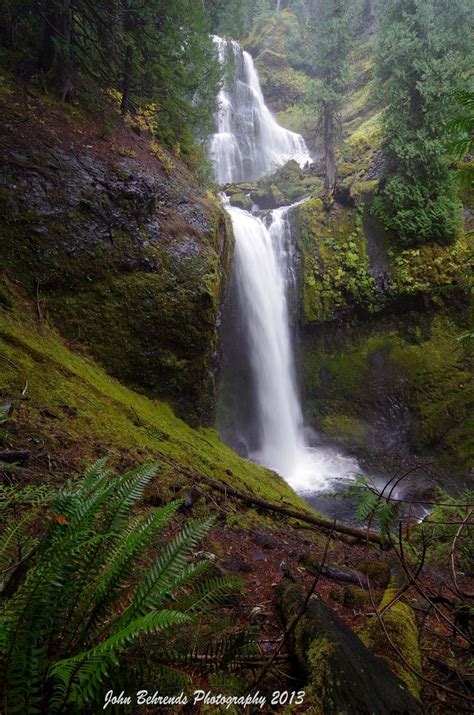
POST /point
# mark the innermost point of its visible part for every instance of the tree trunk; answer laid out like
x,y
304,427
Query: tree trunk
x,y
66,66
329,160
56,54
48,49
126,80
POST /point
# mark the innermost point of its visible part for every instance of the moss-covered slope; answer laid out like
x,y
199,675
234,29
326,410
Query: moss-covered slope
x,y
68,407
117,242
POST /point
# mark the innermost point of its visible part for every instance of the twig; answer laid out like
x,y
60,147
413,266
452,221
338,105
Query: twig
x,y
403,659
296,619
452,555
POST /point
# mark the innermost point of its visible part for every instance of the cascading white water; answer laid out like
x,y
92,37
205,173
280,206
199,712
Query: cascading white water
x,y
262,297
247,144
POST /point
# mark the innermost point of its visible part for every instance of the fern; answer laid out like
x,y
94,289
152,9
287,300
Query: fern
x,y
88,600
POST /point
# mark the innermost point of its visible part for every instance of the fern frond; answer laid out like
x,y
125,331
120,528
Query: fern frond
x,y
89,669
211,593
117,569
166,573
127,492
16,540
366,506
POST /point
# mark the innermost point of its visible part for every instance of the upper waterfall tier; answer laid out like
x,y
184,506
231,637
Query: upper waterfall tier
x,y
248,142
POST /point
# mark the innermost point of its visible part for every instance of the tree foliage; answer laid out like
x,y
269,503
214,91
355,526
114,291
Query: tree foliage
x,y
330,43
423,46
156,53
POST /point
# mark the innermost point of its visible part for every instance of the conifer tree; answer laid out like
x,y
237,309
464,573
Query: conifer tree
x,y
422,48
330,38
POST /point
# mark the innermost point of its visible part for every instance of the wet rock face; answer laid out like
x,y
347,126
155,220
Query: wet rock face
x,y
392,387
128,261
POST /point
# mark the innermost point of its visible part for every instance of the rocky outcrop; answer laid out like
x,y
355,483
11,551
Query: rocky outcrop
x,y
343,675
126,258
384,371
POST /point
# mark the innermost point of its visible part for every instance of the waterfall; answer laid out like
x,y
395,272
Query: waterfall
x,y
248,143
262,297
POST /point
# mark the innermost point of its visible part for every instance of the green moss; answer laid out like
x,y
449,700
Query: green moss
x,y
318,657
345,429
297,118
356,597
100,416
336,272
281,84
429,268
286,185
419,356
273,33
377,571
144,301
438,369
241,200
401,626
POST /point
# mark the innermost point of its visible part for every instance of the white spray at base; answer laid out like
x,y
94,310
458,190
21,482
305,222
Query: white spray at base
x,y
248,143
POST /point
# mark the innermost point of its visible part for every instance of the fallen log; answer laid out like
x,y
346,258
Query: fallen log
x,y
226,489
337,574
335,525
344,675
14,455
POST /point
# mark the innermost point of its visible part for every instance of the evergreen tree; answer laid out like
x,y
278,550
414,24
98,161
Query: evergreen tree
x,y
155,52
422,48
330,38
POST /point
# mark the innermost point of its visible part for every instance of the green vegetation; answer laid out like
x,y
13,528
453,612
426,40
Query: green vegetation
x,y
155,55
416,360
336,271
98,413
288,184
89,602
423,48
399,620
330,35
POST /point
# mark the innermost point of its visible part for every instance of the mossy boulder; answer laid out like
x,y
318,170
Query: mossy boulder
x,y
288,184
400,623
241,200
127,260
268,197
